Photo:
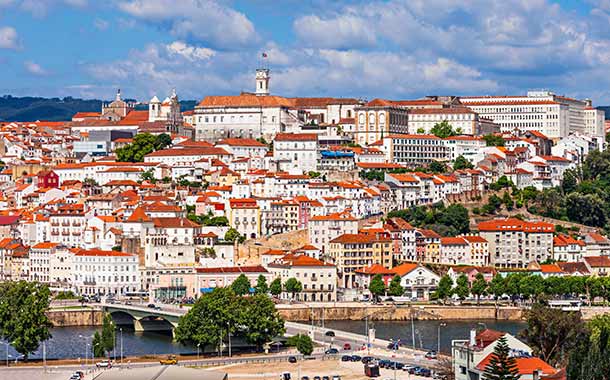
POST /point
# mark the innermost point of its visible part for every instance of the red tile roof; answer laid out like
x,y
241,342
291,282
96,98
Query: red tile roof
x,y
238,269
405,268
296,137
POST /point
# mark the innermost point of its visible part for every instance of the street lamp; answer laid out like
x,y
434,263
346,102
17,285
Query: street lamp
x,y
198,350
438,345
121,330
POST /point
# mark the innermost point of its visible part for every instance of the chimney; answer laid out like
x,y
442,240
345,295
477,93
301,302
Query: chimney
x,y
473,334
536,374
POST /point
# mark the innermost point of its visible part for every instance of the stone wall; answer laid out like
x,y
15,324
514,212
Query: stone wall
x,y
75,317
397,313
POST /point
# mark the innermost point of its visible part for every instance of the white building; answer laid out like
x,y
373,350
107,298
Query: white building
x,y
105,272
167,111
296,151
319,279
515,243
553,115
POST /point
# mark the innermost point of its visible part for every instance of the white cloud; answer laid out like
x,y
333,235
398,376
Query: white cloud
x,y
191,53
100,24
205,21
345,31
8,38
34,68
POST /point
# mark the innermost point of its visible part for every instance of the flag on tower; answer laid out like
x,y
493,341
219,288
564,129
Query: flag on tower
x,y
264,55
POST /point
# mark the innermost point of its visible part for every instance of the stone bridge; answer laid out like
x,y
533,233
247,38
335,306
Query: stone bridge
x,y
144,318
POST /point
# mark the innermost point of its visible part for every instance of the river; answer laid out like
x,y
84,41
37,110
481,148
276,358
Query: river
x,y
70,342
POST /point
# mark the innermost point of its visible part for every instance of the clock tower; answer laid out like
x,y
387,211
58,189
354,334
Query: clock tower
x,y
262,82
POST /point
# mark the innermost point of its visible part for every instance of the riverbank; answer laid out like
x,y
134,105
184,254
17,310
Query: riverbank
x,y
388,312
352,311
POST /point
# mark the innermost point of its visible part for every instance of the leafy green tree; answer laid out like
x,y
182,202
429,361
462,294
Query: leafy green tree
x,y
586,209
444,289
395,289
462,163
302,342
143,144
241,285
456,216
293,286
22,315
107,333
496,287
501,366
233,235
261,285
552,334
421,131
570,180
479,286
149,176
493,204
508,201
97,346
443,130
377,287
163,140
213,315
261,321
462,288
437,167
275,288
493,140
531,286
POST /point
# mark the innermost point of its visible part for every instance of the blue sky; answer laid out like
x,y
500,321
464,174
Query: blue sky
x,y
392,49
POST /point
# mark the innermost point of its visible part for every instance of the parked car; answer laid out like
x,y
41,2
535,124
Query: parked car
x,y
292,359
325,378
304,377
329,333
151,306
367,359
170,360
317,378
347,346
431,355
331,351
80,374
104,364
356,358
425,372
336,377
346,358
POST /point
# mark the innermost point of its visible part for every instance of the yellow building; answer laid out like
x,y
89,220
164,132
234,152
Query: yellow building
x,y
350,252
245,217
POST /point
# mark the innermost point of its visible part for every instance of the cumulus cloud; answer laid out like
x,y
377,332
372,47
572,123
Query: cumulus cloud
x,y
8,38
205,21
34,68
191,53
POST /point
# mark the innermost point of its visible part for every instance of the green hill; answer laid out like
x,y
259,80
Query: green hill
x,y
56,109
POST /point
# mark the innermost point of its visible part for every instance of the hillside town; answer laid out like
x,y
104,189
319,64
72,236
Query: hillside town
x,y
323,195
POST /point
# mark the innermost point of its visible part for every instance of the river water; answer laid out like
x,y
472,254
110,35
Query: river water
x,y
70,342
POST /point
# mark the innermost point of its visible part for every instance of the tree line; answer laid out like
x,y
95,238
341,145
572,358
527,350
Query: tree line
x,y
451,220
524,287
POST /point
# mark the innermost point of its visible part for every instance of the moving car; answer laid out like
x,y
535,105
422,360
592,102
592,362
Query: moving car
x,y
292,359
104,364
329,333
170,360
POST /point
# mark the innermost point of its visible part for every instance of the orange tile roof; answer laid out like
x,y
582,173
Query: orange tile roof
x,y
198,151
241,142
550,268
453,241
296,137
375,269
359,239
138,216
245,100
291,260
525,365
513,224
99,252
405,268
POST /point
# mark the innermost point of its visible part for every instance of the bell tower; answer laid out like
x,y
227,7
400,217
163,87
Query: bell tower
x,y
262,82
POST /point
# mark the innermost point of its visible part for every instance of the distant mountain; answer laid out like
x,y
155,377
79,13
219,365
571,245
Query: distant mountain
x,y
56,109
606,109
